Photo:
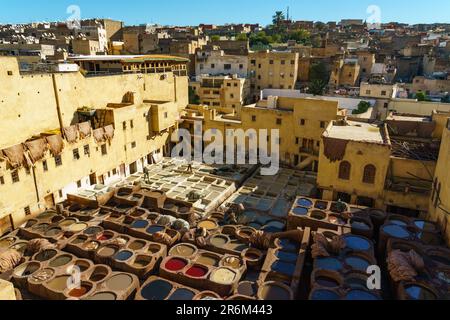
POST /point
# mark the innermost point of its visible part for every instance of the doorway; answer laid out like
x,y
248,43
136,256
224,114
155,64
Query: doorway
x,y
49,201
92,179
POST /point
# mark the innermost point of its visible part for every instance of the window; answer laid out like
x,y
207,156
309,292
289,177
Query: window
x,y
368,91
213,65
283,62
131,124
292,61
253,62
44,165
79,184
259,66
15,176
270,61
2,180
297,140
254,118
133,145
241,66
279,121
124,125
383,93
302,122
235,84
166,115
228,84
227,66
344,170
60,193
76,154
369,174
231,95
104,150
10,73
322,124
87,151
58,161
27,211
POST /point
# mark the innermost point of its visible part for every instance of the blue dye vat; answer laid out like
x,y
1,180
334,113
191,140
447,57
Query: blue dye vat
x,y
155,229
288,246
424,225
360,295
156,290
357,263
300,211
182,294
280,209
123,255
324,295
398,222
286,256
284,268
305,203
360,225
329,264
396,231
271,229
357,243
419,293
255,225
140,224
263,220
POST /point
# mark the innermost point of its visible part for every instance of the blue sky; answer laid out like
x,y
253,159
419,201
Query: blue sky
x,y
191,12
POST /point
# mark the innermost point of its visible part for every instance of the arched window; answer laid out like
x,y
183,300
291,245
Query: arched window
x,y
369,174
344,170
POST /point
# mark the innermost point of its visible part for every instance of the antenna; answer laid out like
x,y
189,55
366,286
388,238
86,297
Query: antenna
x,y
287,13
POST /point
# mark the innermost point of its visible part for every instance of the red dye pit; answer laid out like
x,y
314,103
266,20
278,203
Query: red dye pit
x,y
104,237
175,264
196,272
78,292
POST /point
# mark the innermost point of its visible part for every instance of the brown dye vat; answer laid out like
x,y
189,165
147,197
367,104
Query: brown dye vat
x,y
83,290
142,261
275,291
154,248
253,257
245,233
108,251
77,227
119,282
207,295
79,240
83,265
208,225
219,240
326,278
91,245
66,223
317,214
99,274
208,260
41,227
232,262
6,243
42,275
60,261
58,284
137,245
247,288
52,232
26,269
102,296
183,250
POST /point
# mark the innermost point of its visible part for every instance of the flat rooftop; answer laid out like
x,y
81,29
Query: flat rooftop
x,y
128,58
355,131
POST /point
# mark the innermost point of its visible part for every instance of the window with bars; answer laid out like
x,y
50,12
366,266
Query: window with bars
x,y
58,161
344,170
15,176
369,174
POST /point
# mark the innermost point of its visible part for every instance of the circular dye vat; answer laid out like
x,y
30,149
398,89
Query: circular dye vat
x,y
83,265
300,211
102,296
359,225
322,205
100,273
197,271
154,248
27,269
123,255
156,290
319,215
155,229
58,283
207,224
360,295
287,245
255,225
140,224
41,227
52,232
45,255
119,282
398,222
208,260
396,231
247,288
323,294
93,230
303,202
356,281
81,291
77,227
107,251
66,223
182,295
223,276
219,240
357,263
42,275
246,217
273,291
356,243
262,220
46,215
328,264
236,245
141,262
336,220
283,267
327,282
425,225
91,245
182,250
60,261
175,264
277,225
286,256
136,245
418,292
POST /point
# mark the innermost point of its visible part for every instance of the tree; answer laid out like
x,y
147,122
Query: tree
x,y
242,37
278,17
363,107
319,71
215,38
193,97
317,87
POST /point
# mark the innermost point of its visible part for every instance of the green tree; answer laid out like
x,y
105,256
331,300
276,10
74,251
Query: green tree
x,y
317,87
278,17
215,38
193,97
319,71
300,36
242,37
363,107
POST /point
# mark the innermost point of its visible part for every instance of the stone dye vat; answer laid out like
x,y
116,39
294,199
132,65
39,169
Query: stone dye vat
x,y
50,275
229,239
122,252
156,288
202,269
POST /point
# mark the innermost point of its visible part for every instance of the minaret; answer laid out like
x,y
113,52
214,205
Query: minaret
x,y
287,18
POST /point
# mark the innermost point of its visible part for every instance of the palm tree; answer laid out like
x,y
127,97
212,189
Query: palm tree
x,y
278,17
